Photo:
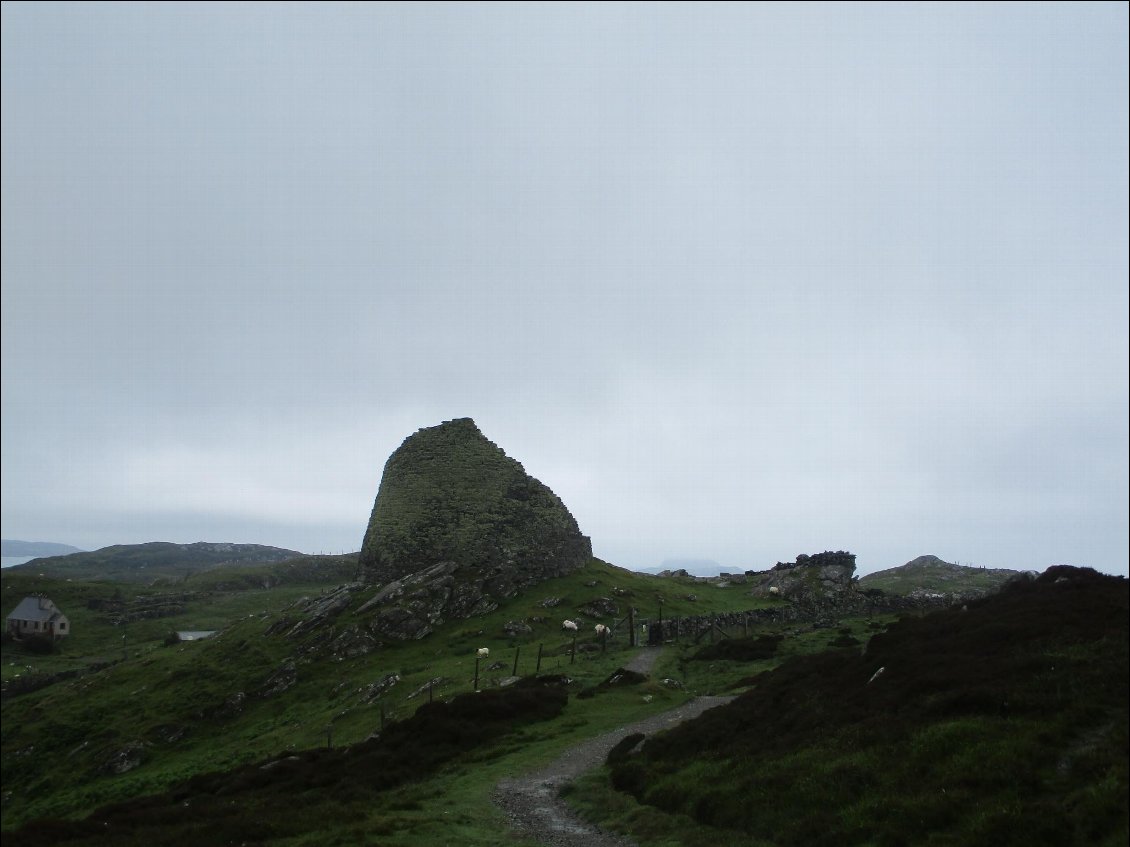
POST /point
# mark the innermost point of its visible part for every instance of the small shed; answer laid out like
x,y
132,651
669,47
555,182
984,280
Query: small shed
x,y
37,616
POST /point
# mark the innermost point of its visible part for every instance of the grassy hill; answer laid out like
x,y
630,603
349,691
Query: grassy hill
x,y
171,712
1004,723
932,575
112,618
227,740
156,560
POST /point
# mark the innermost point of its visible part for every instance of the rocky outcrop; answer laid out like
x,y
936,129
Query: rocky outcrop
x,y
821,577
457,526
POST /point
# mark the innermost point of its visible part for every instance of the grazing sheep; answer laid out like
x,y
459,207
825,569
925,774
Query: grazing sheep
x,y
601,629
774,589
570,625
483,652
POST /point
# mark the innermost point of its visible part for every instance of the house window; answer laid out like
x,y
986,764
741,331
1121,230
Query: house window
x,y
62,626
37,624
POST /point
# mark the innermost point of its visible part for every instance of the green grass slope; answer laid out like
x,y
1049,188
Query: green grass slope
x,y
1004,723
169,713
295,795
109,620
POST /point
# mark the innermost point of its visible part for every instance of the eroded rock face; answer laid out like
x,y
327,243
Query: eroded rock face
x,y
457,526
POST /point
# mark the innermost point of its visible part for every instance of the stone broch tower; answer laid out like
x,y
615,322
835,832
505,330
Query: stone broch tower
x,y
448,494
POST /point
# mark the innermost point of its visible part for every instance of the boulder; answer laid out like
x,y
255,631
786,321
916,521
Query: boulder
x,y
601,607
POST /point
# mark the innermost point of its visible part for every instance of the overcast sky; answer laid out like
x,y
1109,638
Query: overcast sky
x,y
737,282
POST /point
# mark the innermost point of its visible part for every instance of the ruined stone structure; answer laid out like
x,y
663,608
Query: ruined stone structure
x,y
457,525
819,576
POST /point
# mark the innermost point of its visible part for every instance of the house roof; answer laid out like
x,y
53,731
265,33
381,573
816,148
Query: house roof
x,y
35,609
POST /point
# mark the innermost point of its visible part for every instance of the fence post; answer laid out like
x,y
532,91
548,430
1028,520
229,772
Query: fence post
x,y
631,627
537,669
476,673
517,653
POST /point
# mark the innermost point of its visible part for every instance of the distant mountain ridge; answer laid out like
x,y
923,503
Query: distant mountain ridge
x,y
13,547
154,560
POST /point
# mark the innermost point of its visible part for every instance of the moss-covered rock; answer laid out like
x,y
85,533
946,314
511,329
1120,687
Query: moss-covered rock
x,y
449,495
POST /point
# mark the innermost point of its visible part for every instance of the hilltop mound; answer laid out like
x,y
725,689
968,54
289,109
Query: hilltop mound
x,y
450,495
929,575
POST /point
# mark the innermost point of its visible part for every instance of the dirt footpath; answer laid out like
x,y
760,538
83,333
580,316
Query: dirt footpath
x,y
531,802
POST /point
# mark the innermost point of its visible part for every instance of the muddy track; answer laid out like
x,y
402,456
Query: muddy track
x,y
531,802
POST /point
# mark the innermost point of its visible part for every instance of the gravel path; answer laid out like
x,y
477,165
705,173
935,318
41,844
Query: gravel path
x,y
531,802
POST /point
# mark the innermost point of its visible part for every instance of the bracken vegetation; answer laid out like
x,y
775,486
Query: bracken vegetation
x,y
294,794
1001,723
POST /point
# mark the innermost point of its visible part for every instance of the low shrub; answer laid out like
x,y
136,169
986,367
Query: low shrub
x,y
740,649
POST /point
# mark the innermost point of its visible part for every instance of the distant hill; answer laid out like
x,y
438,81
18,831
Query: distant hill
x,y
12,547
931,575
697,567
156,560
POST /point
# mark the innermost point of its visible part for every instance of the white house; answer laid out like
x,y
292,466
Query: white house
x,y
37,616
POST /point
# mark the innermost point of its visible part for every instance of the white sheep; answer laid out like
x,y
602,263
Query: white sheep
x,y
569,625
774,589
483,652
601,629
